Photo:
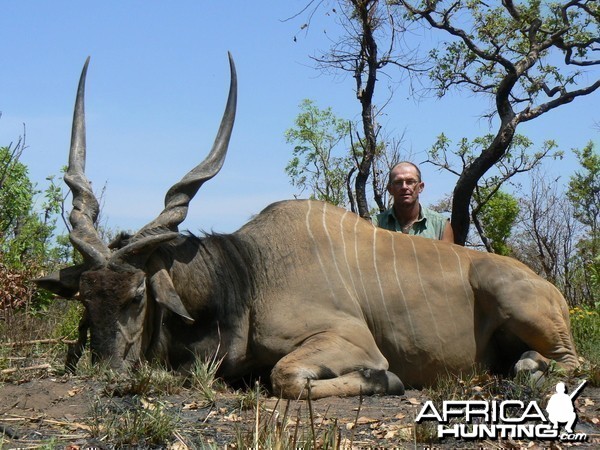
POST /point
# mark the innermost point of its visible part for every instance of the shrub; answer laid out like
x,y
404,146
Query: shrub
x,y
585,326
15,292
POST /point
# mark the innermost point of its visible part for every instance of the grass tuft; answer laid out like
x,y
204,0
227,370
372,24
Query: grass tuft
x,y
203,378
142,380
138,423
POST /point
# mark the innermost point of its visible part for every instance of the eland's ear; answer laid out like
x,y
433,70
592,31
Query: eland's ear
x,y
165,294
64,282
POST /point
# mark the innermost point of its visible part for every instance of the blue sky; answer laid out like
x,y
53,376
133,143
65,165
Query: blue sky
x,y
157,86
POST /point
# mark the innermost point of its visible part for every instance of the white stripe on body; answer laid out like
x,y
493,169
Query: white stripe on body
x,y
433,319
406,307
465,280
348,268
318,252
413,334
381,291
343,279
360,272
448,304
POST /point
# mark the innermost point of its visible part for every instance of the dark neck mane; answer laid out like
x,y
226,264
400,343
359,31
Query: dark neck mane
x,y
217,269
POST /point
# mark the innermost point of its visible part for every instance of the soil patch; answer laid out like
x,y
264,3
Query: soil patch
x,y
66,411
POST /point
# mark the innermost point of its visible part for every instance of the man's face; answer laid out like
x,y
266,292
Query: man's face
x,y
405,185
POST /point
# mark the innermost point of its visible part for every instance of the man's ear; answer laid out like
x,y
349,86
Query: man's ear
x,y
164,293
64,282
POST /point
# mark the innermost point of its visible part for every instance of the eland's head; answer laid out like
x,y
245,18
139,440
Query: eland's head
x,y
119,285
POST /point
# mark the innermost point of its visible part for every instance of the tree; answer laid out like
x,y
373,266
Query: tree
x,y
496,219
317,138
547,234
391,152
584,195
368,43
555,234
16,191
584,189
25,232
528,57
492,211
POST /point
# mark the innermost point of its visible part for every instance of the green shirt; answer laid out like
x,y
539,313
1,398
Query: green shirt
x,y
430,224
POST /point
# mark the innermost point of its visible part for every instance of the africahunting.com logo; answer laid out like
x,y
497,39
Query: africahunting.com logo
x,y
507,419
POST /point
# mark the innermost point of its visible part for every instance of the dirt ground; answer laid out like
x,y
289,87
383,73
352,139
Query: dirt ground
x,y
47,411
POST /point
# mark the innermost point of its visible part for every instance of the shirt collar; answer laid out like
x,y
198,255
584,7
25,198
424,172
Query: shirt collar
x,y
420,219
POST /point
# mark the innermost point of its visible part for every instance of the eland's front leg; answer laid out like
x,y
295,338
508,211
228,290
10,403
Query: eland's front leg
x,y
330,364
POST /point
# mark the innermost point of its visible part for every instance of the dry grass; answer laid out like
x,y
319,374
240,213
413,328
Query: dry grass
x,y
30,339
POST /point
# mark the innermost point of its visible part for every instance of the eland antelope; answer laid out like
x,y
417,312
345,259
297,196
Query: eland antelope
x,y
310,292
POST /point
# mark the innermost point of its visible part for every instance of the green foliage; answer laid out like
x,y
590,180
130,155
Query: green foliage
x,y
27,224
17,225
498,215
584,195
16,193
586,273
585,326
584,188
317,137
67,327
25,232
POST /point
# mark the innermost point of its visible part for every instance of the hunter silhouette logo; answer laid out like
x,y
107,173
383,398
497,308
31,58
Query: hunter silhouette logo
x,y
514,419
560,407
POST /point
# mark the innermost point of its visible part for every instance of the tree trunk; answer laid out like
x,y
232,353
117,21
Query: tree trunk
x,y
463,191
368,56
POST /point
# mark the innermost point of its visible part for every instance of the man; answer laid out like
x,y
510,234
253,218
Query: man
x,y
406,214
